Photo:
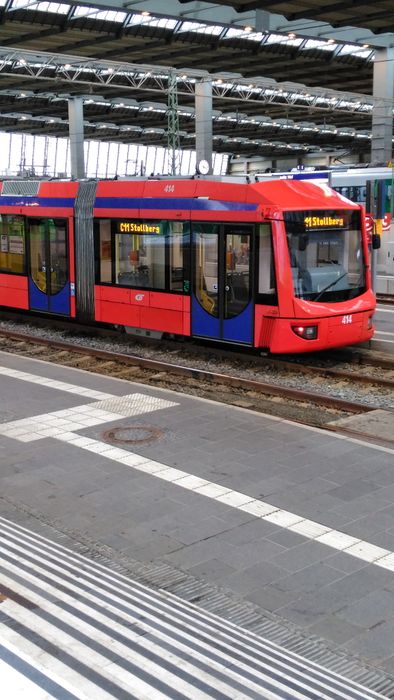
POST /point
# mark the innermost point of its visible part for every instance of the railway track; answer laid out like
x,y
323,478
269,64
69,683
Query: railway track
x,y
327,359
359,368
303,405
385,298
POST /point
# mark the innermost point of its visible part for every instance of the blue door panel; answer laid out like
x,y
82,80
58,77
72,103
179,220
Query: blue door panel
x,y
240,327
60,303
203,323
57,304
38,300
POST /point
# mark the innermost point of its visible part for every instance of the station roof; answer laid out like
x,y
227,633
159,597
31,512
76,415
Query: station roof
x,y
288,76
377,17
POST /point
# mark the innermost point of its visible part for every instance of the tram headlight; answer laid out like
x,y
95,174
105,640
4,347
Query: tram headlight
x,y
306,332
370,322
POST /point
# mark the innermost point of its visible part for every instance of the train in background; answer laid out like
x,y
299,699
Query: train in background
x,y
282,265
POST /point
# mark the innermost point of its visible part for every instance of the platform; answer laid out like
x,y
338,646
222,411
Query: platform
x,y
377,425
285,529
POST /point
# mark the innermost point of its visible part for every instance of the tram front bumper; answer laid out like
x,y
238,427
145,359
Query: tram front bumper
x,y
311,335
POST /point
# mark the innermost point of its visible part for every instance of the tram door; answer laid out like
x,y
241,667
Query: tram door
x,y
222,306
49,286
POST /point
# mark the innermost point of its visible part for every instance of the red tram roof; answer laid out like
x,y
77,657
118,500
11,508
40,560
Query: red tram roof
x,y
284,194
185,188
299,194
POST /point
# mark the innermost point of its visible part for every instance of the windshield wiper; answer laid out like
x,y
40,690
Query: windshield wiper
x,y
332,284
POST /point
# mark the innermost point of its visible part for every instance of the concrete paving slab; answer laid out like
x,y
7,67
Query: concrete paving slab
x,y
378,424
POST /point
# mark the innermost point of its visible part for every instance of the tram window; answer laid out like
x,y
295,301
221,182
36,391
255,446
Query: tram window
x,y
355,193
57,231
206,242
38,254
140,260
353,259
176,242
148,254
267,293
105,251
330,266
12,244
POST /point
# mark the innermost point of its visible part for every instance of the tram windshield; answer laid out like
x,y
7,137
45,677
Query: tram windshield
x,y
326,254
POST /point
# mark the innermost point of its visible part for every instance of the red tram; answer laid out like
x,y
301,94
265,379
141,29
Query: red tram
x,y
280,265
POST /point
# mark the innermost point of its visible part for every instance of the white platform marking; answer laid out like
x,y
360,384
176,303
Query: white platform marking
x,y
128,618
54,384
16,686
378,334
61,425
22,688
384,310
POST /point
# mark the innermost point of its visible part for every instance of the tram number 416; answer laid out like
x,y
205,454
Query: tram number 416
x,y
347,319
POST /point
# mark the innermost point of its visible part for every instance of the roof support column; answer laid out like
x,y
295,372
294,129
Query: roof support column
x,y
75,120
382,115
263,21
203,104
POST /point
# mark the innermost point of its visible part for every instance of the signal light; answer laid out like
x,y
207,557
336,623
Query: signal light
x,y
306,332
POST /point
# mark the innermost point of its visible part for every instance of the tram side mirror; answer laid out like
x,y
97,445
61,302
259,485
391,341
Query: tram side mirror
x,y
376,241
303,239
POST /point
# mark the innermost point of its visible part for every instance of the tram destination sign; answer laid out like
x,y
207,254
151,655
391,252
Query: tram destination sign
x,y
139,227
324,221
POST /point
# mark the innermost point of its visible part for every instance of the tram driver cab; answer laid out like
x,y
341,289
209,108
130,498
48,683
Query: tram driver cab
x,y
323,259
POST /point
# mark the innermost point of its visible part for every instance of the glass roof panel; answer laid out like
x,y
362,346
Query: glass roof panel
x,y
95,13
54,7
236,33
282,39
162,22
321,44
201,28
351,49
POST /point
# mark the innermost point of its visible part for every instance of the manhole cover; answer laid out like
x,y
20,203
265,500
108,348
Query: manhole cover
x,y
133,435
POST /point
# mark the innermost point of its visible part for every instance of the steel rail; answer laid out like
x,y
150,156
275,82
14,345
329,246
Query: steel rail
x,y
385,299
338,373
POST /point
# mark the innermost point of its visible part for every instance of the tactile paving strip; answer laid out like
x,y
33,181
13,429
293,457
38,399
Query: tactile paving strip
x,y
133,404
